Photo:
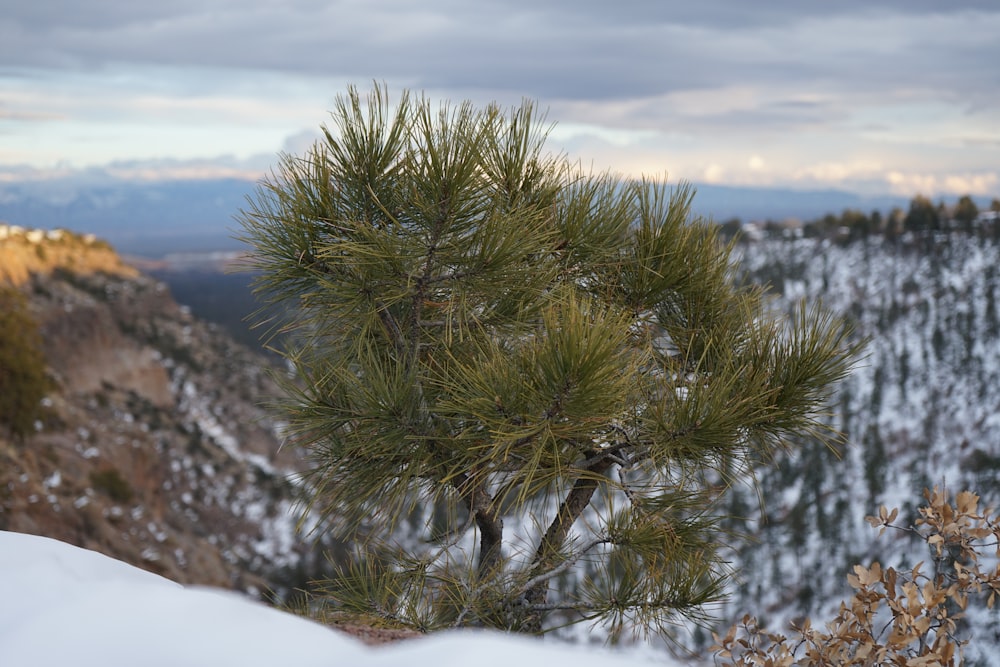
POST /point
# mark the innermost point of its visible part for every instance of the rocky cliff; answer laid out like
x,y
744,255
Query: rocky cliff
x,y
155,448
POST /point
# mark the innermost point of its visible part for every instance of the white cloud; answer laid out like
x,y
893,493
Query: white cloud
x,y
907,183
713,173
838,172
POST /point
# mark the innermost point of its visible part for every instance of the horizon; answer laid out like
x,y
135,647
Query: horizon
x,y
891,97
153,219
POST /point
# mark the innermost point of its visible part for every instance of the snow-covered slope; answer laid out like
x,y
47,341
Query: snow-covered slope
x,y
62,605
921,409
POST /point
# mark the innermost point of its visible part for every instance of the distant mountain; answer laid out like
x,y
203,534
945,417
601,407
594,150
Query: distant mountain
x,y
137,217
153,218
723,202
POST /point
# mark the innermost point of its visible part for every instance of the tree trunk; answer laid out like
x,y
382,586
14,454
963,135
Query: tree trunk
x,y
490,541
548,554
488,521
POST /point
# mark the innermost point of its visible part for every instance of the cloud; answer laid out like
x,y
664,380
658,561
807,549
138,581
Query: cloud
x,y
13,116
217,167
300,142
695,88
907,183
560,50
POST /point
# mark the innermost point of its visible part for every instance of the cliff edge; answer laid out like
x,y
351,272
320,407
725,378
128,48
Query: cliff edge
x,y
154,448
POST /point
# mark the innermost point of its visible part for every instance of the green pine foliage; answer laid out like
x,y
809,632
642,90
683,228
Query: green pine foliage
x,y
548,375
23,378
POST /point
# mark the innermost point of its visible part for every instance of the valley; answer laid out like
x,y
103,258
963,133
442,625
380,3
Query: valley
x,y
158,449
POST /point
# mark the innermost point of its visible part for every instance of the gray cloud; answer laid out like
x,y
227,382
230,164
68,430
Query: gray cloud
x,y
562,49
729,70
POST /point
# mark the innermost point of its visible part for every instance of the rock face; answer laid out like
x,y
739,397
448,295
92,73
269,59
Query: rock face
x,y
156,449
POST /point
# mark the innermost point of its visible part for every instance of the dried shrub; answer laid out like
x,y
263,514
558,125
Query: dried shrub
x,y
110,482
894,617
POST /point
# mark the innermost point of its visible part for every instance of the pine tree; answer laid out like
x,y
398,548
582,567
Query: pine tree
x,y
922,216
547,371
23,379
966,212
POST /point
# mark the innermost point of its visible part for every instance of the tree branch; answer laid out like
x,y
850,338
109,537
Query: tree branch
x,y
488,520
549,547
544,577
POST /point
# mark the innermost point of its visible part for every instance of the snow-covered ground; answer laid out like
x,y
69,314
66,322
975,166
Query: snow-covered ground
x,y
65,606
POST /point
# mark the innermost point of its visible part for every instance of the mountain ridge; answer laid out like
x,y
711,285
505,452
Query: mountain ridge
x,y
152,218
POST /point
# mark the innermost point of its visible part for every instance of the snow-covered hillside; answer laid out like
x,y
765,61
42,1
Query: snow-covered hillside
x,y
921,409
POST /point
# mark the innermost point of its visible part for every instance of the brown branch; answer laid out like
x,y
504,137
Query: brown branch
x,y
544,577
548,553
488,520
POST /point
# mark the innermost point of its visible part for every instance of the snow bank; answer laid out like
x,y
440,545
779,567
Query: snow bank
x,y
68,606
62,605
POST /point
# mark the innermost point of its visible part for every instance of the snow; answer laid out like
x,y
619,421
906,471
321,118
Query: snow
x,y
66,606
919,410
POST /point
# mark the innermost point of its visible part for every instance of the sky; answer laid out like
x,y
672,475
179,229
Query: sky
x,y
62,605
869,96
